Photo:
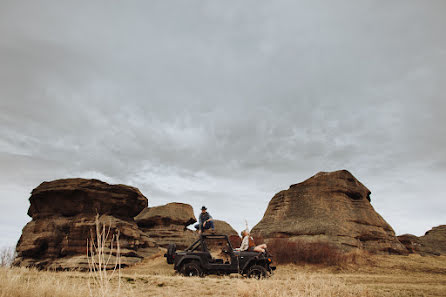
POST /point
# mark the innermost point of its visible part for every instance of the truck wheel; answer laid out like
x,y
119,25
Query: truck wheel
x,y
170,255
192,269
257,272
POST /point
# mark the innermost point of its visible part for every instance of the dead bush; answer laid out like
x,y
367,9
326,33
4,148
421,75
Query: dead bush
x,y
103,254
7,255
286,251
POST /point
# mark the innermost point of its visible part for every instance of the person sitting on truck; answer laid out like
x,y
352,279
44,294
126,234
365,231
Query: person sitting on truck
x,y
249,245
205,221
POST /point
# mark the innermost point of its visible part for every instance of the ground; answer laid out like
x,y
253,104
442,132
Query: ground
x,y
374,276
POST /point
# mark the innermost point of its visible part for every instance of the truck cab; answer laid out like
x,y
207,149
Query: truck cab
x,y
214,254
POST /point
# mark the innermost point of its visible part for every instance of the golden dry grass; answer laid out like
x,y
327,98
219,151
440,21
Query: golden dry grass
x,y
377,276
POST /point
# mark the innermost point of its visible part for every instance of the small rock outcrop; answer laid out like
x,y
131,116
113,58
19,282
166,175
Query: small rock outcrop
x,y
168,224
436,239
411,242
433,242
63,217
221,227
332,207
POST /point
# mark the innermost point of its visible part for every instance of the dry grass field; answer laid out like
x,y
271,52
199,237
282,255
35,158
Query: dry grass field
x,y
393,276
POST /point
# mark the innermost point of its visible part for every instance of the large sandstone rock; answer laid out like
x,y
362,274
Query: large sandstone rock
x,y
411,242
221,227
63,217
70,197
432,243
169,214
330,206
168,224
436,239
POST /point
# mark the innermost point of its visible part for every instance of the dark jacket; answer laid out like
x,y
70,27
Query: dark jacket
x,y
204,217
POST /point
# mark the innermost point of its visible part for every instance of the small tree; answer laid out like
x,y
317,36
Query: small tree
x,y
101,267
7,255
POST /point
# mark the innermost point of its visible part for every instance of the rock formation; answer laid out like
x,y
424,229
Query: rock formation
x,y
431,243
330,206
168,224
63,217
221,227
412,243
436,239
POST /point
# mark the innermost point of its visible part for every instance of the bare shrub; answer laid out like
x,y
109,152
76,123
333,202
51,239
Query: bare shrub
x,y
104,259
297,252
7,255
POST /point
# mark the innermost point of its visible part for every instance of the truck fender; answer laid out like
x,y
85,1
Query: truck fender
x,y
251,262
188,259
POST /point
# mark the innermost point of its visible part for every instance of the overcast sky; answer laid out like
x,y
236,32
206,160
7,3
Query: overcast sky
x,y
225,103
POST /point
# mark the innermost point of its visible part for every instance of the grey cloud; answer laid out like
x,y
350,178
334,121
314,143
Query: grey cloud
x,y
213,102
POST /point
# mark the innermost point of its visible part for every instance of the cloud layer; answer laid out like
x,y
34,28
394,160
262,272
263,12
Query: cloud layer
x,y
225,104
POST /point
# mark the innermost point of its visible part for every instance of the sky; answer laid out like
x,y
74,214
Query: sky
x,y
225,103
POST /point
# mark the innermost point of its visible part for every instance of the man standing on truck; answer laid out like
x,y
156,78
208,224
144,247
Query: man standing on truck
x,y
204,221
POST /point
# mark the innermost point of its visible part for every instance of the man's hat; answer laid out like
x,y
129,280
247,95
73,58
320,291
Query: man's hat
x,y
203,208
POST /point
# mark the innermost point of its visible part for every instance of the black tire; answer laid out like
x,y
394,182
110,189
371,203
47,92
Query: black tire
x,y
192,269
257,272
170,255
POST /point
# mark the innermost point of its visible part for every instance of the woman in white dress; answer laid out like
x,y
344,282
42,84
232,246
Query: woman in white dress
x,y
249,245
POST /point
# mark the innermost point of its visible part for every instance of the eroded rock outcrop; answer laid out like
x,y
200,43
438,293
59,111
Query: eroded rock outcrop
x,y
168,224
330,206
411,242
63,217
433,242
436,239
221,227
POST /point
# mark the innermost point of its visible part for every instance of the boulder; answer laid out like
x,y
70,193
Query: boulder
x,y
435,239
169,214
221,227
411,242
74,196
63,218
332,207
433,242
168,224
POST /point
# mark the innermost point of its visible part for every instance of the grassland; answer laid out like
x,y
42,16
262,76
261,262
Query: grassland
x,y
375,276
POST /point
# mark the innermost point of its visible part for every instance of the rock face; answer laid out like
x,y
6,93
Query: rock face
x,y
221,227
169,214
411,242
168,224
63,217
330,206
436,239
432,243
70,197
